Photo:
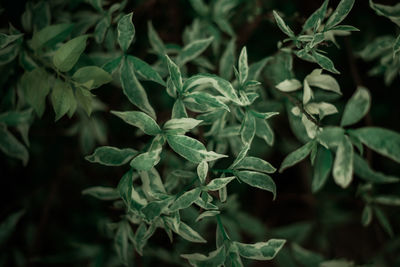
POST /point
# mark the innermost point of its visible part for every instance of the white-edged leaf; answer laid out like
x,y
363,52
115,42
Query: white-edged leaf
x,y
139,119
289,85
257,179
219,183
193,50
340,13
126,31
357,107
296,156
261,250
343,164
111,156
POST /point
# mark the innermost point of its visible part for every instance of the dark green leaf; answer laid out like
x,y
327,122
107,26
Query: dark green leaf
x,y
257,179
111,156
126,32
68,54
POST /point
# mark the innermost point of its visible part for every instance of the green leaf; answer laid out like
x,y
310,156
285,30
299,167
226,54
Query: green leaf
x,y
243,65
146,161
85,99
340,13
14,118
364,171
384,221
8,39
121,242
306,257
322,168
155,208
191,149
133,89
7,226
323,81
383,141
222,86
366,216
178,110
11,146
289,85
391,12
126,31
185,200
209,213
261,250
264,131
316,17
357,107
282,25
145,71
391,200
175,74
257,179
91,77
219,183
202,171
181,125
101,29
36,87
111,156
51,35
112,65
102,193
155,40
248,128
331,136
62,98
296,156
193,50
324,62
189,234
214,258
227,61
255,164
396,46
139,119
68,54
204,101
343,164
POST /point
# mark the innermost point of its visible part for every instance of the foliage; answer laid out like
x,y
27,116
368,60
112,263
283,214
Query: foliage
x,y
194,128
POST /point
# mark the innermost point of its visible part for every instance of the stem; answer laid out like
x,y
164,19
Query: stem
x,y
221,227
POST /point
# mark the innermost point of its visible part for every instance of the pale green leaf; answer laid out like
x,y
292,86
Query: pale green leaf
x,y
204,101
391,200
186,232
193,50
155,41
383,141
255,164
133,89
264,131
68,54
8,39
343,164
202,171
248,128
145,71
323,81
126,31
261,250
139,119
219,183
147,160
175,74
316,17
257,179
85,98
102,193
222,86
227,61
366,216
282,25
178,110
296,156
384,221
111,156
243,65
208,213
357,107
185,200
183,125
191,149
214,258
289,85
396,46
364,171
340,13
324,62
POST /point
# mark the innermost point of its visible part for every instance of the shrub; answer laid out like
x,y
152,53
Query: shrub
x,y
186,115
